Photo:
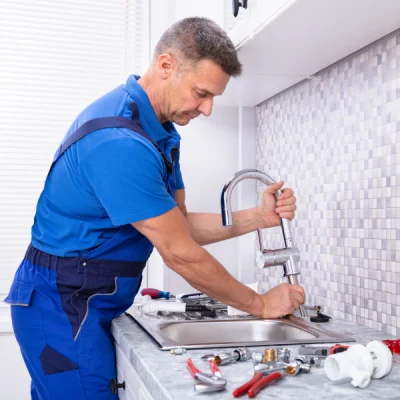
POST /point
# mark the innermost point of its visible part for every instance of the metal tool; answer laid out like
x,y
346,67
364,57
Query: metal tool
x,y
183,297
315,361
208,382
307,350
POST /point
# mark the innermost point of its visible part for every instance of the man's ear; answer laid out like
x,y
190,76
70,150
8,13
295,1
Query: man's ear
x,y
165,65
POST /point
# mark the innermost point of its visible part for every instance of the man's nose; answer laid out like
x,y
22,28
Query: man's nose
x,y
206,106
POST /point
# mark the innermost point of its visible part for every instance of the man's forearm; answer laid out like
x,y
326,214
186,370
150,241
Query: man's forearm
x,y
207,275
207,228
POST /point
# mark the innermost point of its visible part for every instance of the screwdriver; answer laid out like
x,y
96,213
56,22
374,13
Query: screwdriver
x,y
157,294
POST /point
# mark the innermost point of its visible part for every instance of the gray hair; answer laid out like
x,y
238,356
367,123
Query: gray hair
x,y
194,39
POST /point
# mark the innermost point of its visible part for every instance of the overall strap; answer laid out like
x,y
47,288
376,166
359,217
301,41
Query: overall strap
x,y
112,122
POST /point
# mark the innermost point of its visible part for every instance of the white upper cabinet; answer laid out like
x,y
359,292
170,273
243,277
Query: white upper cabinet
x,y
282,42
257,14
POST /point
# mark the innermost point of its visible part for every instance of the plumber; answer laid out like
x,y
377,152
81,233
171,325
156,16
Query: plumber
x,y
115,190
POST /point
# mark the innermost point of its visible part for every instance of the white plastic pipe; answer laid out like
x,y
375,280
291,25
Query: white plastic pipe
x,y
359,363
155,306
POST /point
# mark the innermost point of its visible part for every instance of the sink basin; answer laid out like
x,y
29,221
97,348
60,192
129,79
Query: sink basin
x,y
233,332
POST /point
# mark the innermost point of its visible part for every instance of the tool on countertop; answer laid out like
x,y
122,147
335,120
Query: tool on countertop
x,y
195,302
155,306
208,382
394,345
159,294
257,382
321,351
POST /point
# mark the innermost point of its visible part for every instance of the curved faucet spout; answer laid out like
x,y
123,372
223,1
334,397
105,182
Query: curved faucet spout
x,y
226,195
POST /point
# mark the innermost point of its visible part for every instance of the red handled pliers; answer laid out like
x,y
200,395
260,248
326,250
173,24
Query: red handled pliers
x,y
258,382
209,382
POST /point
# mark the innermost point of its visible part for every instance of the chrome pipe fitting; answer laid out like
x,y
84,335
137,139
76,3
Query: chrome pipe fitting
x,y
272,366
257,358
305,365
283,354
243,354
239,354
293,368
269,355
225,358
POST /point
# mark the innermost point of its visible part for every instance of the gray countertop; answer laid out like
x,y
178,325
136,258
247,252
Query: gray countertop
x,y
167,377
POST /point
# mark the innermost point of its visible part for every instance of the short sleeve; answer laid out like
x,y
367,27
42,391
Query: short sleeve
x,y
178,176
126,175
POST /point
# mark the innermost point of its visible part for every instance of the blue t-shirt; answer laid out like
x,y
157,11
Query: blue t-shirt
x,y
109,178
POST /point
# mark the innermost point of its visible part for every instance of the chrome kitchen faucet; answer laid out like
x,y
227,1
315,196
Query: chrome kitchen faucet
x,y
287,257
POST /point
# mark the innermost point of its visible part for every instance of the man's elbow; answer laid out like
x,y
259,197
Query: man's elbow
x,y
180,258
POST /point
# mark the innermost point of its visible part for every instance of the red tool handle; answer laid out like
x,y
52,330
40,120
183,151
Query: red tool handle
x,y
394,345
240,391
192,369
265,381
338,348
214,368
155,293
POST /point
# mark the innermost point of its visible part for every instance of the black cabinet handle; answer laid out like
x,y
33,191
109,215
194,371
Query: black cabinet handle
x,y
236,4
114,385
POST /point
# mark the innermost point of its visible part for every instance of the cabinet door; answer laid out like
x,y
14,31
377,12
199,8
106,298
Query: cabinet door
x,y
257,14
135,388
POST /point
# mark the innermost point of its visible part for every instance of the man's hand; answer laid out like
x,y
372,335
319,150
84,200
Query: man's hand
x,y
271,210
282,300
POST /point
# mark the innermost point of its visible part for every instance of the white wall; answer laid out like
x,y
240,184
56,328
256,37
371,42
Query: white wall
x,y
209,157
246,191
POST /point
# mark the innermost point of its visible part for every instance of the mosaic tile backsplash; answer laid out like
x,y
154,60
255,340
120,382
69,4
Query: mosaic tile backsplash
x,y
335,139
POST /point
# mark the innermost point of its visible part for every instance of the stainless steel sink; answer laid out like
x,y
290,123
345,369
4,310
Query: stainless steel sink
x,y
232,332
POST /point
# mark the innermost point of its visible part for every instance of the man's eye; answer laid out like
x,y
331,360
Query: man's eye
x,y
200,94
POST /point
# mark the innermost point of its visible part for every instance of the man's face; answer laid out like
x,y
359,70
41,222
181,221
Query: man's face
x,y
191,92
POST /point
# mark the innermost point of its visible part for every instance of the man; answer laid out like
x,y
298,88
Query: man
x,y
114,191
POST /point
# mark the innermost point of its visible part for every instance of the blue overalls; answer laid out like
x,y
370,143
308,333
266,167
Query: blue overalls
x,y
62,307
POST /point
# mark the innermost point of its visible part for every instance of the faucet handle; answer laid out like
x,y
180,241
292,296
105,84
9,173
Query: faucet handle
x,y
259,233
